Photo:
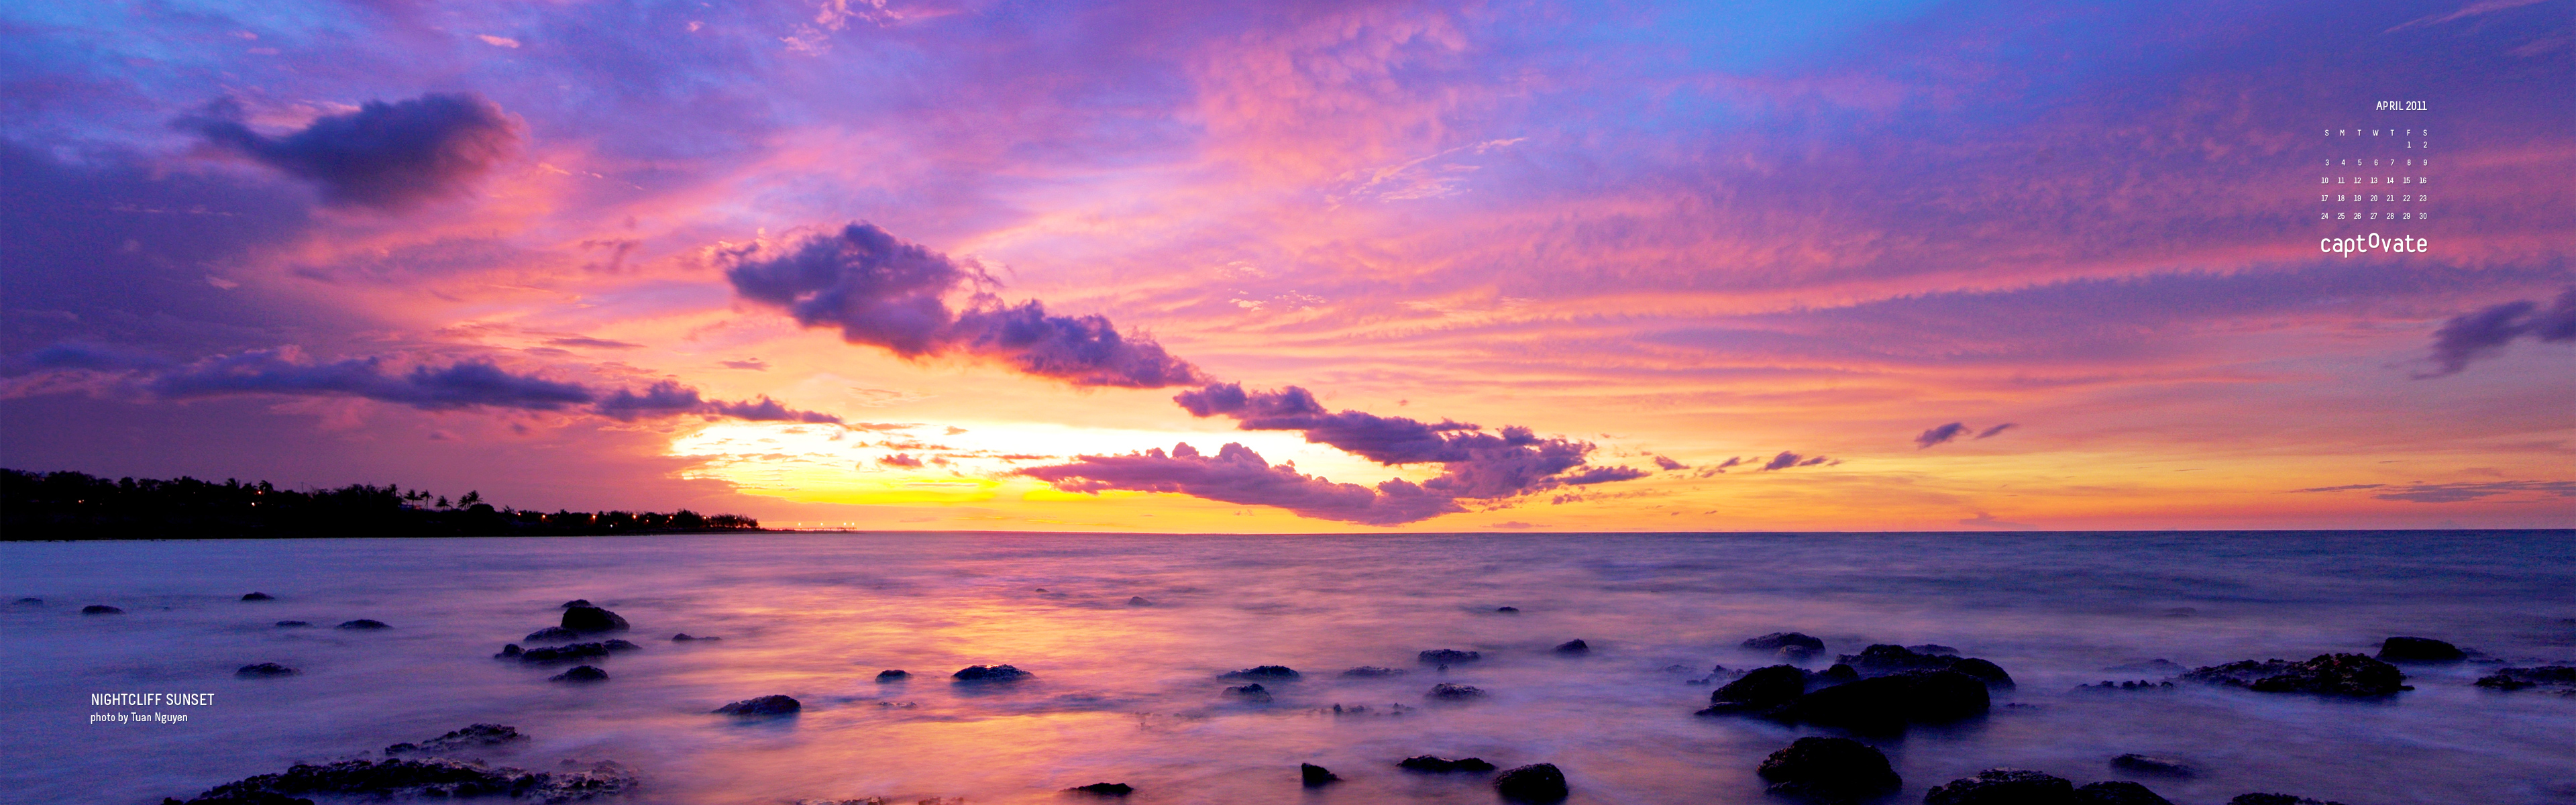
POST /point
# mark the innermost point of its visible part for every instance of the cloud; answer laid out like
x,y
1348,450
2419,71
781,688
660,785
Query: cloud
x,y
900,460
2459,492
1984,520
1939,435
1670,464
885,292
669,398
1238,475
1508,462
389,156
586,341
1787,459
2343,488
2485,333
1990,432
753,364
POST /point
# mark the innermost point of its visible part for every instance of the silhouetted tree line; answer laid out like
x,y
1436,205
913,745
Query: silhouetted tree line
x,y
72,505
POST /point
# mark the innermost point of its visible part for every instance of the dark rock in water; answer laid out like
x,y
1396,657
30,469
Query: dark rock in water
x,y
258,597
101,609
1263,672
1453,693
265,669
2158,665
1780,640
30,601
1884,658
1993,674
1316,776
2131,685
576,651
1254,692
1835,675
1575,646
592,619
1139,601
893,675
509,650
577,602
1536,782
1371,670
1829,770
685,637
990,673
293,624
2003,787
2118,792
1447,656
1760,691
773,705
1439,765
250,798
619,645
2560,676
475,736
2419,649
1890,702
1508,610
363,623
2146,764
552,634
1104,789
582,673
2277,799
2330,674
1933,648
433,778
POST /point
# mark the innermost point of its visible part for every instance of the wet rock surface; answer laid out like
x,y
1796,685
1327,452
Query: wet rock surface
x,y
293,624
2149,764
1316,776
258,597
990,673
101,609
1889,703
1449,692
571,653
1829,771
263,670
440,778
1575,646
1537,782
583,673
1434,764
2131,685
1104,789
685,637
2419,649
1761,690
2327,674
1449,656
364,624
2118,792
2277,799
1371,670
1269,672
590,619
552,634
893,675
1252,692
2559,677
1780,640
472,736
771,705
2003,787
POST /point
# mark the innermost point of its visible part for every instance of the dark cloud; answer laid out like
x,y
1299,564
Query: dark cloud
x,y
2485,333
1939,435
388,156
669,398
2458,492
2343,488
1787,459
1990,432
882,291
1670,464
900,460
1508,462
753,364
1236,474
586,341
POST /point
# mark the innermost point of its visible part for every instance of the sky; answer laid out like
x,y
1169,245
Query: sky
x,y
1308,267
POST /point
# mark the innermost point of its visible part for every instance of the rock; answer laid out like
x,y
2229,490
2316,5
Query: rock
x,y
1371,670
2158,665
685,637
588,619
1316,776
1433,764
2003,787
1104,789
473,736
619,645
893,675
1253,692
1760,691
990,673
1537,782
436,778
2419,649
1454,693
2158,766
552,634
258,597
1139,601
2131,685
509,651
2330,674
266,669
293,624
1993,674
581,673
1829,770
30,601
577,602
1274,672
1449,656
2561,676
1835,675
576,651
1890,702
1884,658
1933,648
250,798
1781,640
101,609
1575,646
2118,792
1508,610
2276,799
363,623
773,705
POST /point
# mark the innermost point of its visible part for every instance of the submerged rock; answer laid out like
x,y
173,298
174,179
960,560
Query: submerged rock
x,y
1536,782
2118,792
1273,672
1254,692
293,624
685,637
265,669
1760,691
1835,675
577,602
1829,770
990,673
592,619
1139,601
552,634
30,601
1993,674
1575,646
2277,799
2330,674
2131,685
2419,649
1104,789
772,705
1433,764
581,673
1884,658
2557,676
1890,702
1316,776
893,675
1508,610
472,736
2147,764
1449,656
1933,648
101,609
2158,665
1371,670
576,651
258,597
509,651
1780,640
428,778
1454,693
2004,787
363,623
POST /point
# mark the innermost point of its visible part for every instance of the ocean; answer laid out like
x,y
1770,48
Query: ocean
x,y
1127,635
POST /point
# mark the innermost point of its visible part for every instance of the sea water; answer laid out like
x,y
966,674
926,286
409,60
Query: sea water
x,y
1131,692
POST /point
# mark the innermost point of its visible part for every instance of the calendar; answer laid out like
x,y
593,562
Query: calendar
x,y
2376,179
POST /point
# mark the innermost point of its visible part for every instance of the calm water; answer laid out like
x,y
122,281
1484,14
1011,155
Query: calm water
x,y
1129,693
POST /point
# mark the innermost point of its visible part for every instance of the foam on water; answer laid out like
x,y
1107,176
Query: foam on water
x,y
1132,694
